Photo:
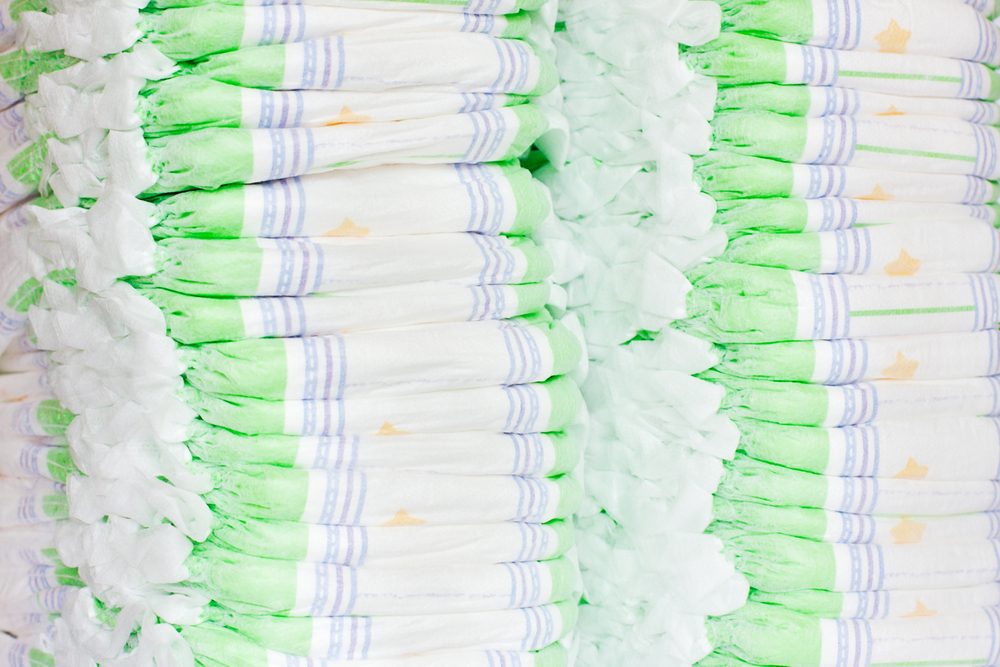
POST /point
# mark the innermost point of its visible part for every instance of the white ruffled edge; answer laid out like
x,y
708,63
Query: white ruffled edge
x,y
85,29
628,197
137,507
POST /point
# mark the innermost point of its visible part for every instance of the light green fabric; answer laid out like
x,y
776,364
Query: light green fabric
x,y
727,175
756,481
789,100
785,20
764,635
733,303
792,360
189,103
206,159
736,517
781,402
737,59
780,562
761,134
20,69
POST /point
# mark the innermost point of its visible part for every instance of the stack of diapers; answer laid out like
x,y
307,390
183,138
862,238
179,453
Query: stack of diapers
x,y
852,323
788,210
35,462
304,332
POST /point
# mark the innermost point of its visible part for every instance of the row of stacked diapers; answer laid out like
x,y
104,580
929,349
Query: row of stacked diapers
x,y
788,214
34,459
853,321
303,326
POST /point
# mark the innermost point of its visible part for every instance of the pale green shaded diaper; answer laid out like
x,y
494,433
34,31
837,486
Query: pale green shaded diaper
x,y
499,409
266,267
454,453
354,498
216,647
732,303
278,368
765,635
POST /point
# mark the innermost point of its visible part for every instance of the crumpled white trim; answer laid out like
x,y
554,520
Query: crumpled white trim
x,y
85,29
104,243
83,640
627,197
113,363
98,94
95,162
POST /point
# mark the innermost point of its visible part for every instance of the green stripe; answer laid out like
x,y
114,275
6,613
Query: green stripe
x,y
899,75
912,311
915,153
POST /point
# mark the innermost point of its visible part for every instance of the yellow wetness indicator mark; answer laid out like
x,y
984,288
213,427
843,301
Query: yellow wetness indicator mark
x,y
920,610
404,518
347,116
913,470
904,265
893,39
903,368
877,194
891,111
348,228
908,531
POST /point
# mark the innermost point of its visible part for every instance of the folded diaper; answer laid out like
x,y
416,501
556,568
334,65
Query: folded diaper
x,y
911,143
450,61
280,267
195,32
372,638
469,453
497,7
211,158
864,402
885,604
31,501
34,457
391,200
525,408
834,527
735,59
249,584
778,563
893,250
187,103
748,304
388,498
197,320
386,362
726,175
904,449
909,26
780,215
39,418
847,360
760,634
216,647
406,541
756,481
817,101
